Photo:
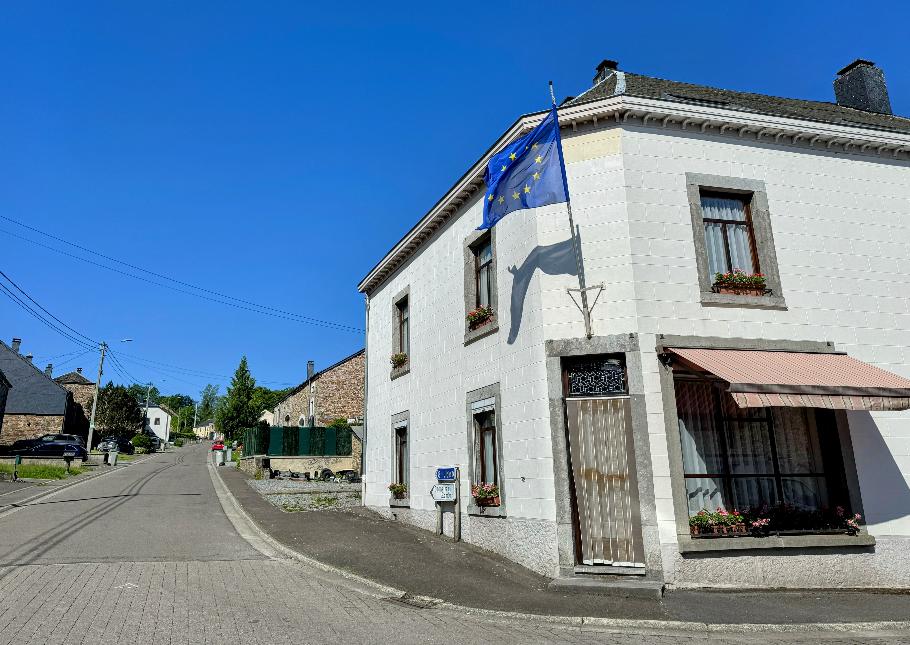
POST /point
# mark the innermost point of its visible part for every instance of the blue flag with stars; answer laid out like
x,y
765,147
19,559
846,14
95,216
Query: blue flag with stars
x,y
529,172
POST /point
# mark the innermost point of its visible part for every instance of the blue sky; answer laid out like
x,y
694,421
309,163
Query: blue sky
x,y
275,151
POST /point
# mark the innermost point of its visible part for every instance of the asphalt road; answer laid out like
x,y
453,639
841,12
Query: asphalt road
x,y
146,554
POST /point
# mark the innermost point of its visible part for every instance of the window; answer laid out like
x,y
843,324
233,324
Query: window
x,y
401,455
404,331
731,229
486,440
729,237
157,421
747,457
483,273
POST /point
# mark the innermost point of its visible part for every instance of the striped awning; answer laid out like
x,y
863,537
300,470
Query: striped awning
x,y
760,379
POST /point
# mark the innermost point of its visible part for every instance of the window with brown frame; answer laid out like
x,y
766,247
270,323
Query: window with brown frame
x,y
738,458
404,331
487,466
729,237
401,455
483,272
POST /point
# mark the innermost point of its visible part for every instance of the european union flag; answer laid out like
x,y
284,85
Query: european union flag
x,y
528,173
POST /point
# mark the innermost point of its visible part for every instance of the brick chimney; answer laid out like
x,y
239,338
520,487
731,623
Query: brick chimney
x,y
16,343
29,357
49,370
78,370
310,369
861,85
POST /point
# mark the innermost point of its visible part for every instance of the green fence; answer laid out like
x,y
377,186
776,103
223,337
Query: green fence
x,y
297,442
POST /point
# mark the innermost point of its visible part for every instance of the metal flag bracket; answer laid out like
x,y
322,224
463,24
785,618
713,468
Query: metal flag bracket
x,y
583,306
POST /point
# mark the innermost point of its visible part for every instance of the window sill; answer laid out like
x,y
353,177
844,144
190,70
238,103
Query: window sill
x,y
687,544
483,331
394,502
486,511
398,372
711,299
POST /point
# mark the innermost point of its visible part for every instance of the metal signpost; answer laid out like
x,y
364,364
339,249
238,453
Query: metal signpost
x,y
446,492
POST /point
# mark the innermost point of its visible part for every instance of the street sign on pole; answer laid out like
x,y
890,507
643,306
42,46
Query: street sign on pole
x,y
445,474
443,492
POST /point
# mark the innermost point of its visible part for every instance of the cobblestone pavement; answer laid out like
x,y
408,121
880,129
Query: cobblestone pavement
x,y
73,572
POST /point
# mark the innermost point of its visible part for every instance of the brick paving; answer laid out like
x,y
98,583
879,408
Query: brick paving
x,y
72,590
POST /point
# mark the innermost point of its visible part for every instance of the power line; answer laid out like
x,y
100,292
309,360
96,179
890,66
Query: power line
x,y
22,305
38,304
252,306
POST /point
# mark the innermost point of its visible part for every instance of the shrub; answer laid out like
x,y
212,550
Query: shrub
x,y
178,442
399,359
398,490
141,441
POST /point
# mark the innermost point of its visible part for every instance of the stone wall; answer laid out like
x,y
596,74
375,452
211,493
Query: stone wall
x,y
338,393
28,426
83,395
300,464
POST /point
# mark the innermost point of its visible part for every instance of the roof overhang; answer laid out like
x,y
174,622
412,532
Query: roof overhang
x,y
655,113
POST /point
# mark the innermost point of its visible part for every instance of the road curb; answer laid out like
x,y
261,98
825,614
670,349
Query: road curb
x,y
236,514
17,506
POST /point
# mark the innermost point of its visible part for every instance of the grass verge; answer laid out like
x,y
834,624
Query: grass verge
x,y
40,471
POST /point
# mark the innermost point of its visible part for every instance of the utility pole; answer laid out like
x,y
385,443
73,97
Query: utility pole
x,y
146,417
91,425
195,412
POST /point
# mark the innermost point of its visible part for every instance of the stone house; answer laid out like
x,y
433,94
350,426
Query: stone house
x,y
684,395
35,405
83,392
335,392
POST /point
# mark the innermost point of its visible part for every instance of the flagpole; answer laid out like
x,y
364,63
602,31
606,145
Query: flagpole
x,y
582,289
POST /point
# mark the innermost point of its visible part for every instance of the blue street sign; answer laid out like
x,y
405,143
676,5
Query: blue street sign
x,y
446,474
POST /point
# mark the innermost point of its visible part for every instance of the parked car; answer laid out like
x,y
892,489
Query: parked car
x,y
119,444
156,442
52,445
217,446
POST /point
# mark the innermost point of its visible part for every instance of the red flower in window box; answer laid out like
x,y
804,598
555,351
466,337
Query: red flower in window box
x,y
479,316
740,283
486,494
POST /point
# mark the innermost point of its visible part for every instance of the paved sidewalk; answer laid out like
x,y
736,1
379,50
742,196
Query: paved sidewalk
x,y
421,563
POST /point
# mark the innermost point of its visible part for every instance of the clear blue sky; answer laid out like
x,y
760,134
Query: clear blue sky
x,y
275,151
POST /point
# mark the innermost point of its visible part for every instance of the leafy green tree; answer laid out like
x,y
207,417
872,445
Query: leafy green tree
x,y
237,412
266,399
138,392
208,402
118,412
176,401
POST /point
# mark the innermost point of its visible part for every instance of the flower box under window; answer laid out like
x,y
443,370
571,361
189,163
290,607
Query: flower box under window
x,y
740,283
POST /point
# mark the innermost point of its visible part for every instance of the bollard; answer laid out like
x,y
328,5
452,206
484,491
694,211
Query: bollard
x,y
16,467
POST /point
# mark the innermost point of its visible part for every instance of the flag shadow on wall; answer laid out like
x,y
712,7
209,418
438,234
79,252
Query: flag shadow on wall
x,y
555,259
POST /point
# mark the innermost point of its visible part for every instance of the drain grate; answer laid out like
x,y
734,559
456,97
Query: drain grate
x,y
414,602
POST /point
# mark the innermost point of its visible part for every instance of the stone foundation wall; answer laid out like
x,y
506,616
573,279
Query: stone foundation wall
x,y
886,565
300,464
28,426
530,543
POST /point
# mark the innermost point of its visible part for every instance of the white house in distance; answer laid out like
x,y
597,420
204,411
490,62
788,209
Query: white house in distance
x,y
158,421
786,400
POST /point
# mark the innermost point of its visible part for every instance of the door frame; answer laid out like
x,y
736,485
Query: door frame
x,y
628,345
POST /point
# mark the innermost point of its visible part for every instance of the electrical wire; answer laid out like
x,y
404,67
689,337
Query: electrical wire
x,y
252,306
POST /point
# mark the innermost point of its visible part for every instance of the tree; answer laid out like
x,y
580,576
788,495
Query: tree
x,y
176,401
266,399
237,412
118,412
138,392
182,421
208,402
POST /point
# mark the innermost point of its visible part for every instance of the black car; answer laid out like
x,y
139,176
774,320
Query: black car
x,y
52,445
119,444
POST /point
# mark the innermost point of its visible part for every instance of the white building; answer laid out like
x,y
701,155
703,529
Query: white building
x,y
158,420
605,448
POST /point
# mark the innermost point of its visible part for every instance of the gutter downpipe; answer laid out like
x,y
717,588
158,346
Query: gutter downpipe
x,y
366,382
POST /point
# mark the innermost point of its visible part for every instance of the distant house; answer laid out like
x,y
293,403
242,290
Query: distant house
x,y
158,421
83,391
333,393
35,404
4,391
205,429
